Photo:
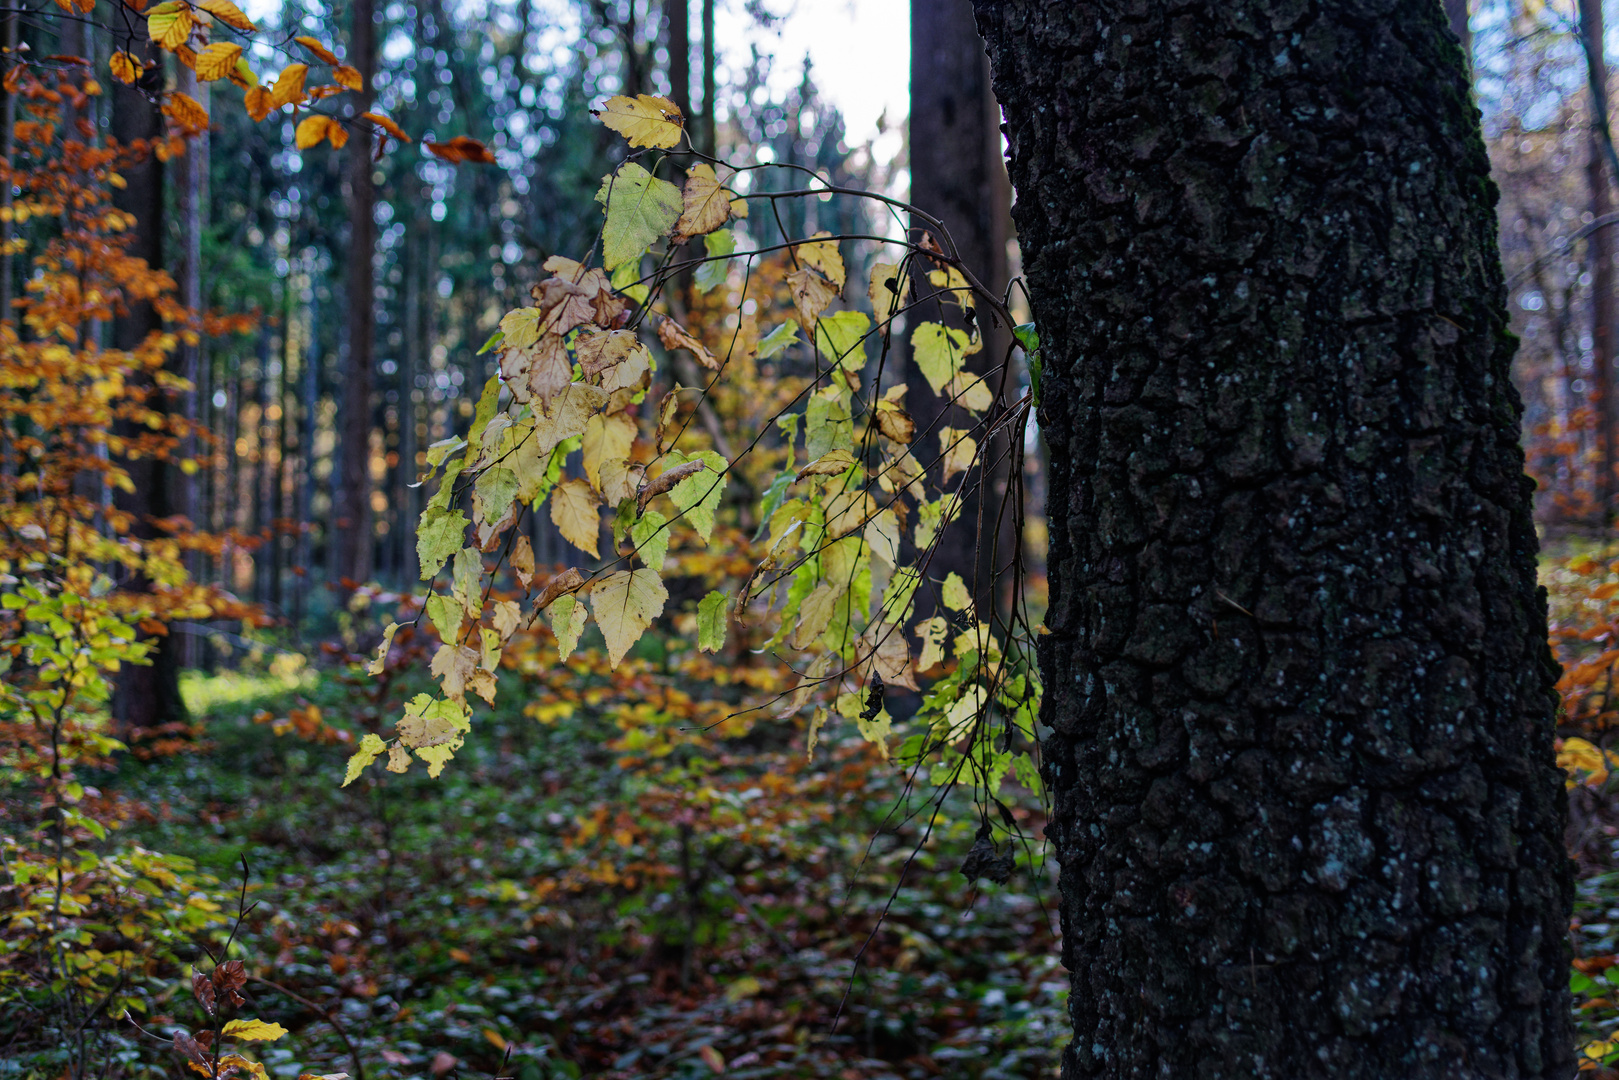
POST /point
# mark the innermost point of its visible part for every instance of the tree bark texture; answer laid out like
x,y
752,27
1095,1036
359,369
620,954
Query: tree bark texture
x,y
352,527
1301,700
145,696
958,176
1599,256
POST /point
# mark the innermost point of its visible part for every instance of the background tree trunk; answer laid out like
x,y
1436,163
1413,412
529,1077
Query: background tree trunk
x,y
352,524
1599,256
1305,803
958,176
1456,12
148,695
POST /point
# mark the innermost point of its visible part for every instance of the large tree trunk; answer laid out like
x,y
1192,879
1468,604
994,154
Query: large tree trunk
x,y
351,531
1305,805
957,176
145,695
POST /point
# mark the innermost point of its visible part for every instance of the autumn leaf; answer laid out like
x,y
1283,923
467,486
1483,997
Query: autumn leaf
x,y
539,371
126,68
822,255
387,125
348,77
812,294
446,614
958,450
289,87
939,352
666,481
259,102
814,614
640,208
315,127
462,150
886,291
616,356
675,336
438,536
380,661
841,337
370,747
894,422
650,536
185,112
711,622
624,605
705,204
954,593
644,120
573,511
253,1029
831,463
170,24
229,14
322,52
606,438
563,305
218,60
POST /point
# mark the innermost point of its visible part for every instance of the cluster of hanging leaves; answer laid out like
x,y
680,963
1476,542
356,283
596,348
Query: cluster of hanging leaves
x,y
845,530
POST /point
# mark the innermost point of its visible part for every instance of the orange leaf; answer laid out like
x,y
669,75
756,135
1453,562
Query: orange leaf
x,y
344,75
1602,592
125,68
186,112
258,102
315,127
170,29
321,51
386,125
460,149
217,60
228,13
289,86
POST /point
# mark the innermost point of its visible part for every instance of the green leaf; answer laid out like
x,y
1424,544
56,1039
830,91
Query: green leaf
x,y
719,243
488,402
711,622
446,613
774,496
494,342
1029,338
438,537
778,339
624,605
626,279
956,597
939,351
699,494
640,209
568,617
841,338
827,425
650,536
467,585
370,747
496,488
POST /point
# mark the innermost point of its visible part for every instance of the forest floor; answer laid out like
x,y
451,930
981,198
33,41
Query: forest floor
x,y
597,886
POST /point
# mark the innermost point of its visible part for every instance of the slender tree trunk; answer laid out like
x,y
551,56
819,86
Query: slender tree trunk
x,y
193,173
706,121
958,176
679,15
352,520
145,695
1301,701
1600,259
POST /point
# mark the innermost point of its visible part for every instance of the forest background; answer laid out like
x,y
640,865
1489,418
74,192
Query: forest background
x,y
627,872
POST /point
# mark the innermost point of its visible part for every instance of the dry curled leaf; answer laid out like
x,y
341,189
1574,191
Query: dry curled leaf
x,y
461,150
569,581
651,489
675,336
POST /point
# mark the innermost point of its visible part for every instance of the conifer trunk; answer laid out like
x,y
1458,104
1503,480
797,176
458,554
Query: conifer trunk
x,y
1305,804
351,531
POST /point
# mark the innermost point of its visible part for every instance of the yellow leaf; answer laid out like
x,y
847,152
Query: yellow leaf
x,y
814,613
644,120
831,463
887,290
125,67
345,76
229,1061
932,634
311,130
170,29
606,438
939,352
564,416
370,747
452,665
381,660
573,510
706,204
218,60
321,51
812,293
624,605
228,13
955,594
538,371
289,87
823,256
253,1029
958,450
616,355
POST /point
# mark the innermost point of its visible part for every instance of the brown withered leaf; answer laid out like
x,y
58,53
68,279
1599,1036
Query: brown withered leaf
x,y
666,413
563,305
812,294
542,370
651,489
616,355
187,1047
461,150
706,205
674,336
895,422
522,560
568,581
202,987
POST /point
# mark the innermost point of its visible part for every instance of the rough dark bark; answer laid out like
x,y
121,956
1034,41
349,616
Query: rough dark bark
x,y
146,696
1301,698
351,527
1599,257
957,176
